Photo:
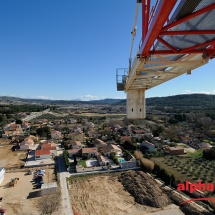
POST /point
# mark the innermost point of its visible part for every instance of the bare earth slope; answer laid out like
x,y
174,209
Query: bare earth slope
x,y
106,195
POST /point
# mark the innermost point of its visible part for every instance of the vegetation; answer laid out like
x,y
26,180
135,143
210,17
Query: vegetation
x,y
82,163
44,132
164,175
114,158
65,155
209,154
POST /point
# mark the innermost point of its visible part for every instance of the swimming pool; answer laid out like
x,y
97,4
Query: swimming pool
x,y
121,160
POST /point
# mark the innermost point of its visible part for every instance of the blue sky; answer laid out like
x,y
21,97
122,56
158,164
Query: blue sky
x,y
70,49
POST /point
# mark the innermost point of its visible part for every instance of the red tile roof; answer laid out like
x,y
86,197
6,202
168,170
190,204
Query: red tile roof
x,y
42,152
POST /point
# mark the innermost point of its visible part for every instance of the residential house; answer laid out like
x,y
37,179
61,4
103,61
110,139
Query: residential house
x,y
174,150
72,152
56,135
148,145
2,172
42,154
25,125
27,144
76,145
49,146
111,148
14,127
89,152
98,143
102,160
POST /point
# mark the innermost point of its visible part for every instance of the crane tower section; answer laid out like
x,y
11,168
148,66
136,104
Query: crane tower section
x,y
178,36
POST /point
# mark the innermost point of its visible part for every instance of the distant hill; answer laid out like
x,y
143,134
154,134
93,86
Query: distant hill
x,y
185,100
15,100
188,100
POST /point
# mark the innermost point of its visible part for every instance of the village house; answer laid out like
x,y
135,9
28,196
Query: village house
x,y
25,125
98,143
14,127
174,150
111,148
72,152
56,135
148,145
89,152
76,145
102,160
42,154
49,146
27,144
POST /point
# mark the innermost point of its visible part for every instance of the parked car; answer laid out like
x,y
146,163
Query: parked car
x,y
37,186
41,170
39,174
38,178
40,182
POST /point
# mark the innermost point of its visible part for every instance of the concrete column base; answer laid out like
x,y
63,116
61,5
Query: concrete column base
x,y
135,104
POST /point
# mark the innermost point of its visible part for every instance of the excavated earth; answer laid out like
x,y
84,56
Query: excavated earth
x,y
143,189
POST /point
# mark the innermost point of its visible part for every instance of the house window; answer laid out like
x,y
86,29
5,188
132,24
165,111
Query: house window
x,y
37,156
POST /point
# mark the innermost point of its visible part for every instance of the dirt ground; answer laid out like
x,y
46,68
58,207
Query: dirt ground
x,y
17,200
104,195
11,159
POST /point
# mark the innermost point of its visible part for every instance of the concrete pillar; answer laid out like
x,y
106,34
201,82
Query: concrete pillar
x,y
135,104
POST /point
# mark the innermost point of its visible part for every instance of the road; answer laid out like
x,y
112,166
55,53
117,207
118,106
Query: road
x,y
66,208
35,115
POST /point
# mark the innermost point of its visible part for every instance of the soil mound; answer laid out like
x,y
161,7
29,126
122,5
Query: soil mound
x,y
144,189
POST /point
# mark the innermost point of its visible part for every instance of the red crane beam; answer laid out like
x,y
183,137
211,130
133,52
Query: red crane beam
x,y
192,15
187,32
161,15
145,17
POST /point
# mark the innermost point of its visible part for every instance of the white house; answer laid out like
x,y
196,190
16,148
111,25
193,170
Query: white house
x,y
76,145
56,135
89,152
150,146
72,152
27,144
112,148
2,172
42,154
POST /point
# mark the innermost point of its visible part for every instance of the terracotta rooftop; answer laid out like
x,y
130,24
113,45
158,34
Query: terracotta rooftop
x,y
89,150
76,143
42,152
71,151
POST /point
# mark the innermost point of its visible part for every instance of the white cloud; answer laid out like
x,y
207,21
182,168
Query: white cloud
x,y
43,97
88,97
199,92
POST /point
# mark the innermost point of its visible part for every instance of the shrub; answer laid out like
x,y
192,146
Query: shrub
x,y
147,164
138,155
66,158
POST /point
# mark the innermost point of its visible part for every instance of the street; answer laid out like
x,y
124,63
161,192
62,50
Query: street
x,y
66,208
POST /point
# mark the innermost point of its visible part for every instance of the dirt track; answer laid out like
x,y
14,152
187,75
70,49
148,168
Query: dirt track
x,y
104,195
